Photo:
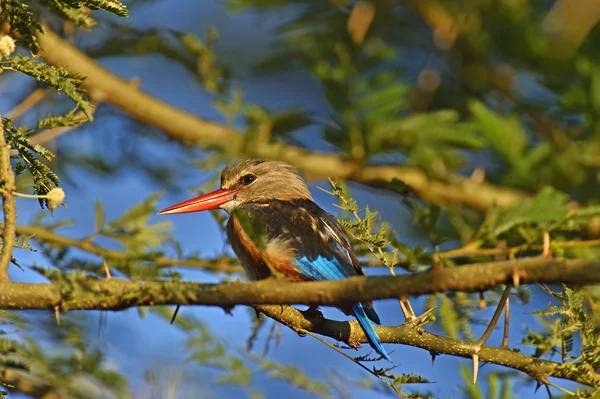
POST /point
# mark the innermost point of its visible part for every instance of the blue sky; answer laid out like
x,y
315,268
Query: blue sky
x,y
135,344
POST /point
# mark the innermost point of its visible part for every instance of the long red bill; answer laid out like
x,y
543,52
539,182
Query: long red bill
x,y
202,203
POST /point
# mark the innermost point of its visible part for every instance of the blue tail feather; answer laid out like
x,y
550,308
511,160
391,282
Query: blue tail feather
x,y
323,268
359,313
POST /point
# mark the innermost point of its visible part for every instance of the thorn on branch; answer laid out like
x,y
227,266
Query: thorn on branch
x,y
421,319
538,384
506,323
175,314
107,271
407,311
475,358
546,251
516,277
436,263
433,356
482,301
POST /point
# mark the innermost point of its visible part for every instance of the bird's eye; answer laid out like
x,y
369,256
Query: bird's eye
x,y
247,179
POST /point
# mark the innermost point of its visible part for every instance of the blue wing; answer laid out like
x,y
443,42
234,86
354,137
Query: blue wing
x,y
323,268
322,251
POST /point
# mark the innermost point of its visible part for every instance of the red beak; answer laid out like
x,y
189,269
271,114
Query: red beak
x,y
202,203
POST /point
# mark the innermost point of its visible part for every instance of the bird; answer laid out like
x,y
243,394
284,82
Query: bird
x,y
297,240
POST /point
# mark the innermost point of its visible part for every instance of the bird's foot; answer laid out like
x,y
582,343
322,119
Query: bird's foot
x,y
312,313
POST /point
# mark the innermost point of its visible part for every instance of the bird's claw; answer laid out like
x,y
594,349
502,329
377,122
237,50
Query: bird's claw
x,y
312,313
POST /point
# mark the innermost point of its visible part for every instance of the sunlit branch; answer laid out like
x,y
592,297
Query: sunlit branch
x,y
221,264
7,184
350,333
230,265
30,101
23,382
191,129
75,293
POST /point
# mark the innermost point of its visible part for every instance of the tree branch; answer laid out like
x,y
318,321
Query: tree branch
x,y
71,293
231,265
191,129
223,264
7,185
350,333
20,381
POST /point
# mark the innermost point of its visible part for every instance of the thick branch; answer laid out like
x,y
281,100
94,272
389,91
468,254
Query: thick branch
x,y
191,129
350,333
119,294
7,184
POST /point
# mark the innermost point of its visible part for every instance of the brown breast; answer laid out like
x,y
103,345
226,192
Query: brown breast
x,y
258,264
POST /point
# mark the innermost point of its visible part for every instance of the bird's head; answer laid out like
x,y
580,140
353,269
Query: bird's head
x,y
254,181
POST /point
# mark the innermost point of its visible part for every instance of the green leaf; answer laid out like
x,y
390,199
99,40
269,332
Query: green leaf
x,y
20,18
287,121
67,120
449,318
112,6
138,214
504,133
546,208
79,16
58,77
43,178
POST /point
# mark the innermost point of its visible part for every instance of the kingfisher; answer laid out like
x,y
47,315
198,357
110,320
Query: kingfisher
x,y
298,241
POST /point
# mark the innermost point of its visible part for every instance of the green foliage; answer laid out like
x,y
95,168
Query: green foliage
x,y
43,178
459,106
499,385
137,235
240,368
505,134
78,368
58,77
547,212
21,19
68,120
369,229
563,323
77,15
112,6
195,54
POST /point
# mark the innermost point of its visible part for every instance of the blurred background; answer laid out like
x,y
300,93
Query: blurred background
x,y
454,92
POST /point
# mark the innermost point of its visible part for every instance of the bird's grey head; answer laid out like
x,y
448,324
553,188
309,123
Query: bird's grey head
x,y
259,181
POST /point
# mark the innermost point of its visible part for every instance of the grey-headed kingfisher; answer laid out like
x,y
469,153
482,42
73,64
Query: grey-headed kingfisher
x,y
302,242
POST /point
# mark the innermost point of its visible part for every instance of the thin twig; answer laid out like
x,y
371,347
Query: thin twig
x,y
474,250
349,332
221,264
7,183
51,134
30,101
497,313
338,350
506,324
